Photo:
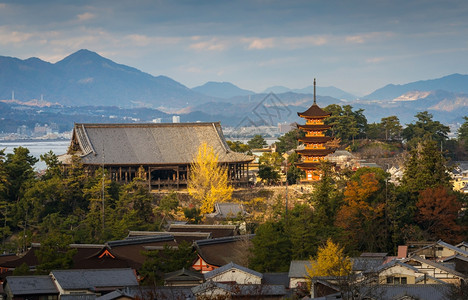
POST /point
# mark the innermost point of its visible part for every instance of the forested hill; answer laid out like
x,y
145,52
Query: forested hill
x,y
86,78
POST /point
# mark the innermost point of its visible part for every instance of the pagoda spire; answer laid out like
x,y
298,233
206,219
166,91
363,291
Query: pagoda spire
x,y
315,100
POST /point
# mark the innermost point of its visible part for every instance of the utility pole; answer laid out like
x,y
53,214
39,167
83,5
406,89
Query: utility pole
x,y
287,198
103,192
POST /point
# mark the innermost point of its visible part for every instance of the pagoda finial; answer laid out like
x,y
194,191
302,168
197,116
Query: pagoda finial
x,y
315,101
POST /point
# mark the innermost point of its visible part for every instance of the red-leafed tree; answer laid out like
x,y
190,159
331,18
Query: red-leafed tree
x,y
437,213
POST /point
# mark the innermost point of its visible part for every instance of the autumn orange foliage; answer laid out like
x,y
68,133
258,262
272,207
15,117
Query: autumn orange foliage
x,y
361,213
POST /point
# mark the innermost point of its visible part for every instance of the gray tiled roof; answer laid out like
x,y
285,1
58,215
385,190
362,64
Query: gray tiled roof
x,y
229,266
241,289
151,144
141,240
365,263
95,278
78,297
417,291
453,248
276,278
435,265
297,268
24,285
393,263
225,210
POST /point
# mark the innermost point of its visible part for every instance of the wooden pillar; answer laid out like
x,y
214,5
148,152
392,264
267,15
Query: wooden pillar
x,y
149,179
120,174
177,170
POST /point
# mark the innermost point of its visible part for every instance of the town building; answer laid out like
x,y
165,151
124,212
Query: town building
x,y
160,154
316,144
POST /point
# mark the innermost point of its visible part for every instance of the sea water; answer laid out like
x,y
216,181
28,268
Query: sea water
x,y
36,148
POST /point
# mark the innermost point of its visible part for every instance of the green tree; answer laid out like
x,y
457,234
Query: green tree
x,y
99,209
392,127
425,167
55,253
52,163
168,206
346,124
168,259
289,140
5,205
75,180
19,166
133,209
269,167
425,129
257,142
271,251
293,174
462,134
238,146
326,197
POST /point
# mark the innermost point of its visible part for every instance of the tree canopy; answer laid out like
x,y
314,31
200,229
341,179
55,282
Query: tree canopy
x,y
330,261
208,181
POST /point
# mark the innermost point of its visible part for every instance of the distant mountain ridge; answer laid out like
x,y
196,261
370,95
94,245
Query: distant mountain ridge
x,y
223,90
456,83
330,91
86,78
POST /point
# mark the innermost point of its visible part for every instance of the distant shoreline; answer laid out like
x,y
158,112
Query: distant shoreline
x,y
33,140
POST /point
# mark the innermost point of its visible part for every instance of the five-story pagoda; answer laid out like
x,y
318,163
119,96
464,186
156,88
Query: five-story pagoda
x,y
314,141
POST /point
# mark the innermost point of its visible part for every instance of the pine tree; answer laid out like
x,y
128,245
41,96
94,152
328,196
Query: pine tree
x,y
426,167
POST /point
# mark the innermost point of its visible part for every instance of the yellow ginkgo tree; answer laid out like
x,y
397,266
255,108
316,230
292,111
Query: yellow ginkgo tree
x,y
208,181
330,261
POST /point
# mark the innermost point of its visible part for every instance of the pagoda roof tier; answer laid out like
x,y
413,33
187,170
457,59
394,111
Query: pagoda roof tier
x,y
315,152
314,127
315,139
314,111
308,165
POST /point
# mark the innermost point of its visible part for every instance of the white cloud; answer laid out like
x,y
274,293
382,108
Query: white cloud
x,y
305,41
366,37
213,44
8,37
259,43
86,16
375,60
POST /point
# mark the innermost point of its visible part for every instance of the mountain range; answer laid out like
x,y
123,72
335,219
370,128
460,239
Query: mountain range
x,y
85,78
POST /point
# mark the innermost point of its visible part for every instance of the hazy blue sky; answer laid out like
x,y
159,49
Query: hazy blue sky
x,y
358,46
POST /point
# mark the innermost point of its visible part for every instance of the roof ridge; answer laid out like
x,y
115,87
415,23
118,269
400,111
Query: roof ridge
x,y
142,240
225,239
148,124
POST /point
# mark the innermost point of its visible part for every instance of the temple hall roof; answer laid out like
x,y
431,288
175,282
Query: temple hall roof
x,y
149,144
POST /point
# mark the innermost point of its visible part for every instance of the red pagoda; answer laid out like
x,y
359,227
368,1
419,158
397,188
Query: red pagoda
x,y
315,141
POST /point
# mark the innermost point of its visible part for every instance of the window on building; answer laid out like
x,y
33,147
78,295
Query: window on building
x,y
397,280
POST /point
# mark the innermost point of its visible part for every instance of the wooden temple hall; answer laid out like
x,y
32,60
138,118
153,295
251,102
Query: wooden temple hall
x,y
161,153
